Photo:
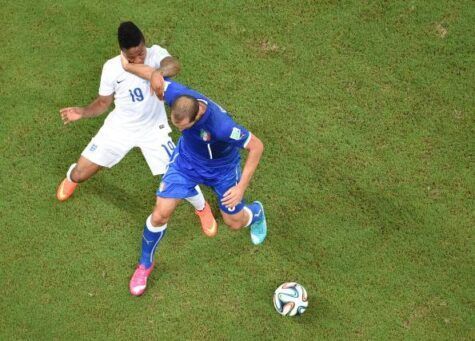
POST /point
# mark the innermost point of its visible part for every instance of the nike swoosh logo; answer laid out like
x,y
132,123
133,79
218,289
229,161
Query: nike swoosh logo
x,y
61,190
258,213
118,82
212,231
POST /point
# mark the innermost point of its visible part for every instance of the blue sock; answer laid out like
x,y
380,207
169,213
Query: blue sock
x,y
150,242
256,210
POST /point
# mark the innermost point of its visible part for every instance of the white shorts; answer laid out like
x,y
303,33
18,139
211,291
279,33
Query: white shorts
x,y
110,145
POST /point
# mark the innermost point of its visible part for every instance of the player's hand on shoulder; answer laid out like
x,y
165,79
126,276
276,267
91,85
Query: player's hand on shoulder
x,y
157,84
71,114
233,196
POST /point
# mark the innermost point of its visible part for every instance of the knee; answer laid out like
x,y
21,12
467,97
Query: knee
x,y
159,218
233,224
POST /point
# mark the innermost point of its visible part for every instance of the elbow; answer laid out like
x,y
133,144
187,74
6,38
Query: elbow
x,y
105,102
261,147
175,70
171,68
258,145
255,146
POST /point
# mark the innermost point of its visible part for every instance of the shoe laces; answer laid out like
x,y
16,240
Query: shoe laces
x,y
141,271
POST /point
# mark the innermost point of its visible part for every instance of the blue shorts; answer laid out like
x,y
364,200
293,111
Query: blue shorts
x,y
181,179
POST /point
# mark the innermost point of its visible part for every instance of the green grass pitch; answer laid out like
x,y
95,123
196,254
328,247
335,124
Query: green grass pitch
x,y
366,110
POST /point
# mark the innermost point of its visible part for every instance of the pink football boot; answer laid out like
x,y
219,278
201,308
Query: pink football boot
x,y
138,282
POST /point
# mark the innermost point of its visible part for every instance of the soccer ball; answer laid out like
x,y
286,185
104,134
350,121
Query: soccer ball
x,y
290,299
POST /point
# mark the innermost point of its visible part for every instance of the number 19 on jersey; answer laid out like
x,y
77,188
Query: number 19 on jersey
x,y
136,94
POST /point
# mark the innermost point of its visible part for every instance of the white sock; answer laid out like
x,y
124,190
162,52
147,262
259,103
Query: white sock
x,y
152,228
249,212
198,201
68,174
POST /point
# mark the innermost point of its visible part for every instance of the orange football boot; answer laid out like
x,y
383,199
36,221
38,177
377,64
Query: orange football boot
x,y
208,223
65,189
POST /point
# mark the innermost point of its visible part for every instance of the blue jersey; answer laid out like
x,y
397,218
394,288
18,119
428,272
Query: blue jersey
x,y
214,141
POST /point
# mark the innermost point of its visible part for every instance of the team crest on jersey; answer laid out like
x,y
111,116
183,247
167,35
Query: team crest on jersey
x,y
205,135
93,147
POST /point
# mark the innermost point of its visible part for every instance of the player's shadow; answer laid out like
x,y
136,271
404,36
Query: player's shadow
x,y
117,196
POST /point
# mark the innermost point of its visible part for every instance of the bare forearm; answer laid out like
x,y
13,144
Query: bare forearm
x,y
140,70
169,67
250,167
97,107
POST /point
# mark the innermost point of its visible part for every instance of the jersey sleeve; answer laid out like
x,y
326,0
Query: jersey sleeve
x,y
173,90
233,133
157,54
107,86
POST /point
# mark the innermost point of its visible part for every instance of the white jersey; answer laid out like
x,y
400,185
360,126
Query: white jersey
x,y
135,107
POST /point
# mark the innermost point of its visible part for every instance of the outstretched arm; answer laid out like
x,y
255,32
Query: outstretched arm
x,y
234,195
97,107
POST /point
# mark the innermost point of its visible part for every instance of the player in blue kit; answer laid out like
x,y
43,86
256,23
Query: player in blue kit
x,y
207,153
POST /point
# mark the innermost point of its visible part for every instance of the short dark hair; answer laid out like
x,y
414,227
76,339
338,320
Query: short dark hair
x,y
185,107
129,35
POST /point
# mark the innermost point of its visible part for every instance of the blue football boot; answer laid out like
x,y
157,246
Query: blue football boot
x,y
259,227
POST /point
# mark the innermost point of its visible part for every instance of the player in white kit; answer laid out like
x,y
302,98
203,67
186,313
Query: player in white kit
x,y
138,119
